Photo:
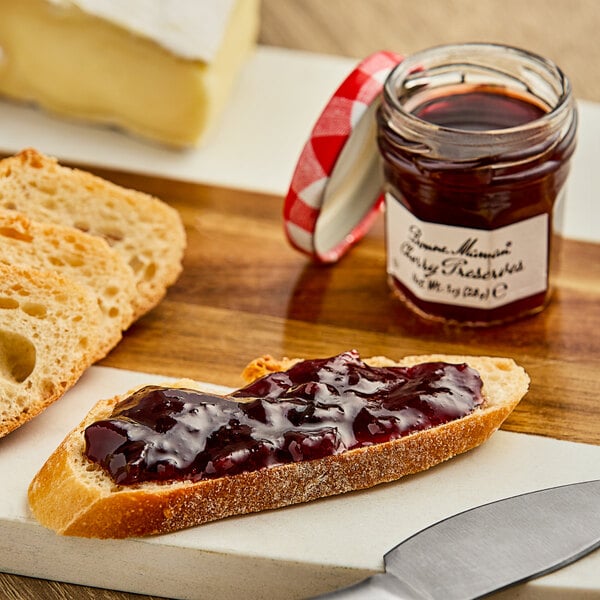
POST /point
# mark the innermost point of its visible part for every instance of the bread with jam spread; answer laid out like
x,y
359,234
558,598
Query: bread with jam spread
x,y
75,496
49,334
86,259
145,231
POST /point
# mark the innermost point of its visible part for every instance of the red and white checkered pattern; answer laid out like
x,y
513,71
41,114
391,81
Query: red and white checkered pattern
x,y
330,134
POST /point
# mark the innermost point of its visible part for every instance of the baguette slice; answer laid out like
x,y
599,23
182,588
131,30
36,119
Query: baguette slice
x,y
87,259
145,231
73,496
49,334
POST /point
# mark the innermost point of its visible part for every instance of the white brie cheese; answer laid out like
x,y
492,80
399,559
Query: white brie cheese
x,y
162,69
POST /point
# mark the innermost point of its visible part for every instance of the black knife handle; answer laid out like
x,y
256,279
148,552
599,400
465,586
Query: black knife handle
x,y
378,587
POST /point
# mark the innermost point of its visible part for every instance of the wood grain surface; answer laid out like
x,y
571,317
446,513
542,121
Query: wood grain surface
x,y
244,291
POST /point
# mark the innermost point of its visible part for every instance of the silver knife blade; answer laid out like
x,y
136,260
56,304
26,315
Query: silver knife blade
x,y
491,547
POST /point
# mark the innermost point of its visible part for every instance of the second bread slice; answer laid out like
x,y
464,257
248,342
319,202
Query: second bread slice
x,y
84,258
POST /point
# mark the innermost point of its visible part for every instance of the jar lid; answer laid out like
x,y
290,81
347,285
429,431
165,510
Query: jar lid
x,y
335,192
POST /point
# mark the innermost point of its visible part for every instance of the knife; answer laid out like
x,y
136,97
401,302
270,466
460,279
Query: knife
x,y
489,548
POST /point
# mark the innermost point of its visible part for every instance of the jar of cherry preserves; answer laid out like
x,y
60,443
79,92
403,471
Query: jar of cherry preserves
x,y
476,141
468,147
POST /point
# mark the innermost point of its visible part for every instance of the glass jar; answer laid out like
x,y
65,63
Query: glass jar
x,y
476,141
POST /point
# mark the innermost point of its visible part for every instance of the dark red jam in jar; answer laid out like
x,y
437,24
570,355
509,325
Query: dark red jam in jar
x,y
315,409
476,141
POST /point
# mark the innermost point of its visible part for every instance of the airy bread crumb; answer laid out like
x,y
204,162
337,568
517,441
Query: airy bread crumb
x,y
49,335
86,259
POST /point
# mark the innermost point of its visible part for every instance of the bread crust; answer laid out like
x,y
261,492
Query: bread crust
x,y
75,497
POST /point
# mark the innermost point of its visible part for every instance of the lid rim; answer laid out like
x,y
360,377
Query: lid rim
x,y
319,157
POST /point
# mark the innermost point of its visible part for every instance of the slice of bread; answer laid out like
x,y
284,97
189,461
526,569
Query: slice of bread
x,y
49,334
145,231
87,259
74,496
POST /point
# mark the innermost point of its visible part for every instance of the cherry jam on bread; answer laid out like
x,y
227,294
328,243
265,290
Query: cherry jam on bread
x,y
317,408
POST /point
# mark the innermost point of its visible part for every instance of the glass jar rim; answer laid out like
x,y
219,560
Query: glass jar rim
x,y
557,117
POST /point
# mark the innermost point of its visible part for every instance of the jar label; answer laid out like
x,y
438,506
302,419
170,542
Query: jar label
x,y
463,266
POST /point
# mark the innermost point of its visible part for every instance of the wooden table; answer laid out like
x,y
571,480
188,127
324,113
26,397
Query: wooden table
x,y
564,30
244,291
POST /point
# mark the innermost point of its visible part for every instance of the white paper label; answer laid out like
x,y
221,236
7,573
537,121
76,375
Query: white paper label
x,y
463,266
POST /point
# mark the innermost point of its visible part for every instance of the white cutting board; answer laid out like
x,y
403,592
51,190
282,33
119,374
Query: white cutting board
x,y
284,554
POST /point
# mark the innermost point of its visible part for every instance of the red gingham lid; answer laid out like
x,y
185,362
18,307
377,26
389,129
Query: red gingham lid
x,y
335,192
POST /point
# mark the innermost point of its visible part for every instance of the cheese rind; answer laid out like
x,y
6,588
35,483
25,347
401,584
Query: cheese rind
x,y
75,64
191,29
